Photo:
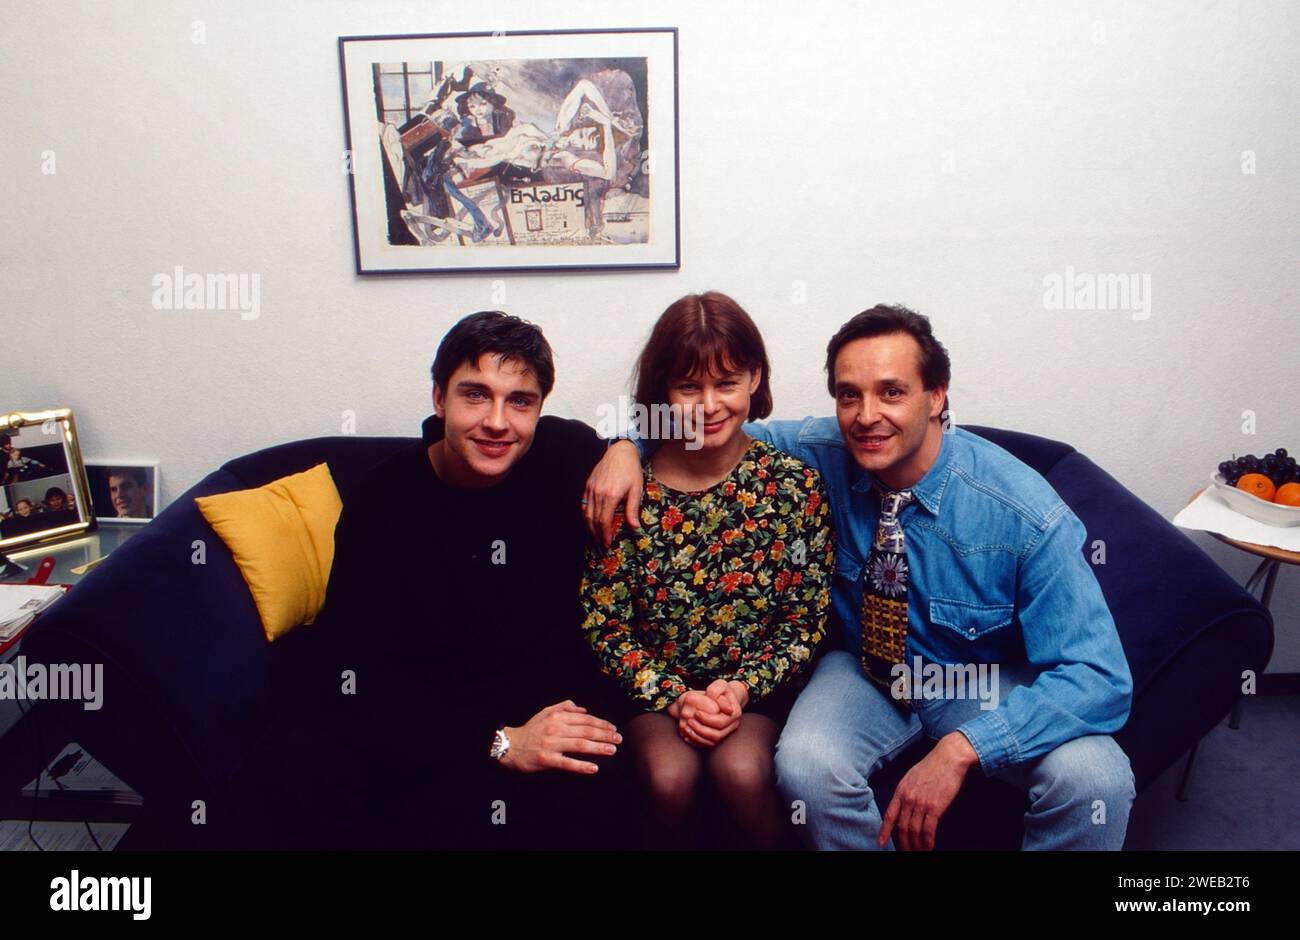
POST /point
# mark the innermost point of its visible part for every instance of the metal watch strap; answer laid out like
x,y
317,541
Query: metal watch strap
x,y
500,744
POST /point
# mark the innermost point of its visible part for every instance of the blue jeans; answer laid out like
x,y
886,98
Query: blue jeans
x,y
843,729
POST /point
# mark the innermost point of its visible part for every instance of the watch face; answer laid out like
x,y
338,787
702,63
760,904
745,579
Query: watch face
x,y
500,743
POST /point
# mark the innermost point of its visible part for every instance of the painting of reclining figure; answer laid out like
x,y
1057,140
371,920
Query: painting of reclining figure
x,y
501,163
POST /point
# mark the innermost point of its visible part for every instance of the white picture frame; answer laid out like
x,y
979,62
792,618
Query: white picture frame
x,y
133,485
575,167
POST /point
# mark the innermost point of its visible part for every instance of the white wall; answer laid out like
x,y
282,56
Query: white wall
x,y
945,155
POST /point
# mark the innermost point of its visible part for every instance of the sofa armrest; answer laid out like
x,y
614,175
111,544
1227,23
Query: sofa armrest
x,y
1189,631
181,640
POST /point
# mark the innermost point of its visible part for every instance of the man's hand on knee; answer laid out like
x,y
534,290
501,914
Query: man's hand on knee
x,y
556,731
926,791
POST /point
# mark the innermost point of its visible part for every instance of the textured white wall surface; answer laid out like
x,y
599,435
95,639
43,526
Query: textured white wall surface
x,y
950,156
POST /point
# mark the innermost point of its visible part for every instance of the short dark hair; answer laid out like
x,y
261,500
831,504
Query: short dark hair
x,y
491,331
135,473
882,320
54,491
702,332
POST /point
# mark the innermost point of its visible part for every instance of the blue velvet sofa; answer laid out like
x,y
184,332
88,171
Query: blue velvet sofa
x,y
190,682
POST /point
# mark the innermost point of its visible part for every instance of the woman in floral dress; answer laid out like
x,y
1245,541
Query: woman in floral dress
x,y
709,613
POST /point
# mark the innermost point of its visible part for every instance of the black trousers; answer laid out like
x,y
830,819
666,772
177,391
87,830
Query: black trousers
x,y
312,788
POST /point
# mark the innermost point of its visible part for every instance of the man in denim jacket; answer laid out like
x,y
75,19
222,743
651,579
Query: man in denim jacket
x,y
1012,659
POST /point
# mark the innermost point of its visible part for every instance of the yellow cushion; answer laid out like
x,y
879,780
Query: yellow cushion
x,y
282,537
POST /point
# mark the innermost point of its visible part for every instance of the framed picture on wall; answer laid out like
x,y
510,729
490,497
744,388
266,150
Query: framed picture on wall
x,y
506,152
43,489
124,490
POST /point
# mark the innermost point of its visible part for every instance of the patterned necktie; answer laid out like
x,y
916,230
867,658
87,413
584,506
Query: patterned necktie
x,y
884,593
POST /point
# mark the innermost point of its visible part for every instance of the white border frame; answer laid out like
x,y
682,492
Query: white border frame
x,y
97,463
373,253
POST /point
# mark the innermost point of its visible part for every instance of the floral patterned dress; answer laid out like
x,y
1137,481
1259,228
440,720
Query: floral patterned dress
x,y
732,582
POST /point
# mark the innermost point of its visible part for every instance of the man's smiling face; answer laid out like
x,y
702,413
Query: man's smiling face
x,y
888,419
490,408
127,497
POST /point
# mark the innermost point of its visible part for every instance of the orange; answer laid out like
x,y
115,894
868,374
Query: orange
x,y
1288,494
1256,484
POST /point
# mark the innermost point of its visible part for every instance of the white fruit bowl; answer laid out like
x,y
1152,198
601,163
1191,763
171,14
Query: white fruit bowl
x,y
1248,504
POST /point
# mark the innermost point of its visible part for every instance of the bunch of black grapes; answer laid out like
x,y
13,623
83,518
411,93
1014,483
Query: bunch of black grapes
x,y
1277,466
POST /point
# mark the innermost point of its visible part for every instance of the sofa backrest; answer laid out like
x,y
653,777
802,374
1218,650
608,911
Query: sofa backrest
x,y
1157,582
182,641
1188,629
183,647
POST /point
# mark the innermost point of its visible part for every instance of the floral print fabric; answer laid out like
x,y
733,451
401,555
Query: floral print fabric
x,y
732,582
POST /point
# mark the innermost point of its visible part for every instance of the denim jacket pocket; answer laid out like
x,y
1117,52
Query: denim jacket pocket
x,y
971,621
847,564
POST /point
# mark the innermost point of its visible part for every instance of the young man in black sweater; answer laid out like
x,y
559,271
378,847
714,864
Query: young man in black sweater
x,y
466,703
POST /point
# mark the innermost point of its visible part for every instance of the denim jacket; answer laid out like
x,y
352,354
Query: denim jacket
x,y
997,576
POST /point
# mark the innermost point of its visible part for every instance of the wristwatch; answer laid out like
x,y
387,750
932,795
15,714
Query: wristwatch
x,y
500,744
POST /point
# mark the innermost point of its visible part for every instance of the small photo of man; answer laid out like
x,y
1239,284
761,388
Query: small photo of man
x,y
122,491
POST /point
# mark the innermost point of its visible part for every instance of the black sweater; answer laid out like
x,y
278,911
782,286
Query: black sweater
x,y
457,609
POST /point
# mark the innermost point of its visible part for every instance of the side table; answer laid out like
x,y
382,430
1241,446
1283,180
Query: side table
x,y
1272,559
68,555
17,771
71,554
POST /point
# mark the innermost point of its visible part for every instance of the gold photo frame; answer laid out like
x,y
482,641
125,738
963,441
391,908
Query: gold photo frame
x,y
44,492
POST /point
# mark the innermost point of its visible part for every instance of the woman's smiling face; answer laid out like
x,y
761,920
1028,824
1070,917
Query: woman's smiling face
x,y
714,406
